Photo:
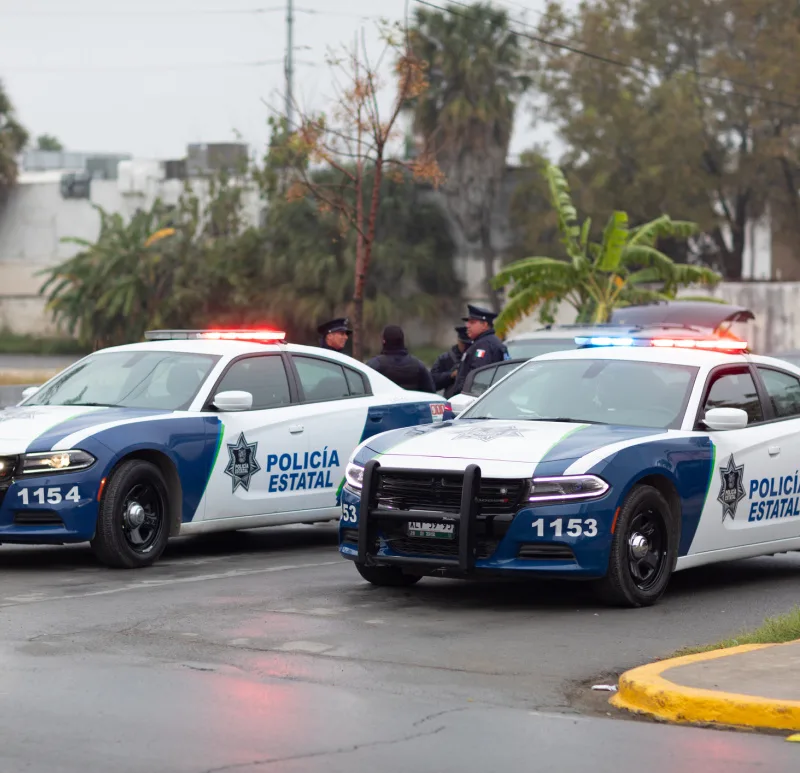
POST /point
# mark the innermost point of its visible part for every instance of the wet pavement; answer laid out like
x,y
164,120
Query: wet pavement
x,y
265,651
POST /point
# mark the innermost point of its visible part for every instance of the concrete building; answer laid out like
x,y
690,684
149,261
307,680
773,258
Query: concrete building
x,y
55,198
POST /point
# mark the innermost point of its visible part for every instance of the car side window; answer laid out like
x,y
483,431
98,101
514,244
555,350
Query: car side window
x,y
321,379
503,370
735,390
356,382
482,381
263,376
784,392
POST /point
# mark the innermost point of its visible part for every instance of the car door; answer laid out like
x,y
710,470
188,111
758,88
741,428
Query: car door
x,y
749,464
334,402
259,449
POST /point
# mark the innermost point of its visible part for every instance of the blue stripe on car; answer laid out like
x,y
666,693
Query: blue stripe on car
x,y
58,432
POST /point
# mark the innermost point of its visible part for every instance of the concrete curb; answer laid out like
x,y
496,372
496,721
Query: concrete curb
x,y
645,691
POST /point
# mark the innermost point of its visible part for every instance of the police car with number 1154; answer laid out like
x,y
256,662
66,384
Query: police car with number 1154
x,y
190,432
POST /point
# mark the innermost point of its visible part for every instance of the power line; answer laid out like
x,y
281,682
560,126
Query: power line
x,y
151,67
629,65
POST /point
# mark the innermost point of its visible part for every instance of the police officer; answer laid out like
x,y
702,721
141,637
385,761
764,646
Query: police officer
x,y
334,334
486,347
398,365
445,369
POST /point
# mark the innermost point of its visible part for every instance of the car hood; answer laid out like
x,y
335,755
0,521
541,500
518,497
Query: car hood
x,y
502,448
21,425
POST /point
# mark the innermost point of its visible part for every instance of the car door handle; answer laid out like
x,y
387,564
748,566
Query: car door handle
x,y
774,450
296,429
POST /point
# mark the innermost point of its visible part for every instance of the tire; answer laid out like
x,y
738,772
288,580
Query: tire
x,y
118,542
640,580
387,576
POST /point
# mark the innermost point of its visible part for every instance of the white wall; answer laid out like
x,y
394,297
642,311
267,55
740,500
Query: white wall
x,y
36,218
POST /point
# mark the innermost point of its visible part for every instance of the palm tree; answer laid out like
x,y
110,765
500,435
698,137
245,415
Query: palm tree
x,y
467,113
13,139
625,267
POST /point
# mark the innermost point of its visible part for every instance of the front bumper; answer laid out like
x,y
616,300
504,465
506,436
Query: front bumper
x,y
541,540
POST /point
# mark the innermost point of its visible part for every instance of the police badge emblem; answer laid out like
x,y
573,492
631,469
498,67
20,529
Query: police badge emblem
x,y
731,490
242,464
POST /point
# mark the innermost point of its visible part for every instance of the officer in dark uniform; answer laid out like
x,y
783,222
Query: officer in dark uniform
x,y
334,334
445,369
398,365
486,347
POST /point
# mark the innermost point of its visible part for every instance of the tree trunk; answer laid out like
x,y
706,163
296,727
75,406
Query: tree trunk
x,y
488,266
358,327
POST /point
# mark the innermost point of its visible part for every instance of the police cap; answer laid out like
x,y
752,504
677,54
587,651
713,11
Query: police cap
x,y
339,325
476,312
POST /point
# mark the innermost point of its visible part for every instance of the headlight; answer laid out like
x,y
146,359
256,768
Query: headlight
x,y
354,473
566,487
56,461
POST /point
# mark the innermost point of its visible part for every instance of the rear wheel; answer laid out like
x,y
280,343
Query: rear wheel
x,y
133,518
387,576
643,551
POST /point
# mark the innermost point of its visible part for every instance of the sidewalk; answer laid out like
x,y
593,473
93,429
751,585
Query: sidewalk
x,y
756,685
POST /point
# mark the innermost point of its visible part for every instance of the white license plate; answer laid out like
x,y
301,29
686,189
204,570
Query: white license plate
x,y
432,530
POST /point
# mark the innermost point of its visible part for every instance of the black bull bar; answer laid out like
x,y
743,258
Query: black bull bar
x,y
466,519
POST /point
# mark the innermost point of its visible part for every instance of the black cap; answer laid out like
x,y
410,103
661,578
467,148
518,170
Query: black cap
x,y
476,312
462,335
340,325
393,337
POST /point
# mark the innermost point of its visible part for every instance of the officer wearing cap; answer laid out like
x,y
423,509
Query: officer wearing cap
x,y
445,369
334,334
486,347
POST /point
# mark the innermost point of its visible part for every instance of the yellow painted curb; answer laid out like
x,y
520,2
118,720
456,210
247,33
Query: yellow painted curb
x,y
645,691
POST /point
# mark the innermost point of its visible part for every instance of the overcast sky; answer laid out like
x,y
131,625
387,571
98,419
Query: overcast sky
x,y
149,76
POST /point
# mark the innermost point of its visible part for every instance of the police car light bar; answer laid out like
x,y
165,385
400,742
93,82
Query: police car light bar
x,y
261,336
716,345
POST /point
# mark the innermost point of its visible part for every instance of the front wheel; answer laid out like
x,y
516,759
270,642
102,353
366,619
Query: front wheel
x,y
643,551
133,518
387,576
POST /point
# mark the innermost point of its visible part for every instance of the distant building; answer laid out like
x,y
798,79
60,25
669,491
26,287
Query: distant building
x,y
54,199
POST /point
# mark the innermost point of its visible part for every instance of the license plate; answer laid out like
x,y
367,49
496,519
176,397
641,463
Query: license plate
x,y
432,530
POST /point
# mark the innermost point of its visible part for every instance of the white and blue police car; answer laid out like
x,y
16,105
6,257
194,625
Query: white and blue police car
x,y
619,462
190,432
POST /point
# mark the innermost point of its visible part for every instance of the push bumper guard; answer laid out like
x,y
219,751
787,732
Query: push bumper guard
x,y
370,517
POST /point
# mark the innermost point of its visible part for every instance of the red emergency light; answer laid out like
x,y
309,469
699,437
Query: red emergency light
x,y
260,336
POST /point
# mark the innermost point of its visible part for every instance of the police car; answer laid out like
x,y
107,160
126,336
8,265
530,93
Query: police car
x,y
190,432
619,462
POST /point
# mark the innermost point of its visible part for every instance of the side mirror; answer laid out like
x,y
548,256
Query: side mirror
x,y
233,401
29,392
725,418
461,402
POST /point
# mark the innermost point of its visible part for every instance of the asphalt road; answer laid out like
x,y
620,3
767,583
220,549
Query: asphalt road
x,y
265,651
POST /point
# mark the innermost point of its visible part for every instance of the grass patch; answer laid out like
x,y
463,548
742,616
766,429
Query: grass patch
x,y
774,630
11,343
427,354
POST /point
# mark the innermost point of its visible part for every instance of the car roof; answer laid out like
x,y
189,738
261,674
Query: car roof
x,y
676,356
227,348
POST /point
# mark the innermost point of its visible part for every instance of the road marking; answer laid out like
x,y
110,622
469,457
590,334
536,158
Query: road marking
x,y
147,584
310,647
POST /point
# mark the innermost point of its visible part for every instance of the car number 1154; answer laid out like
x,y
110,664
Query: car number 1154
x,y
48,496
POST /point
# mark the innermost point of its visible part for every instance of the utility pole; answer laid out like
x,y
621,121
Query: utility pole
x,y
289,64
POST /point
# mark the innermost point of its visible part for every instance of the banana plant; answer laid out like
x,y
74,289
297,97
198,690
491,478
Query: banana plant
x,y
625,267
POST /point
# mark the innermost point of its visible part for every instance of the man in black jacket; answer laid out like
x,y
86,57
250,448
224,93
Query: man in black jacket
x,y
398,365
445,369
334,334
486,347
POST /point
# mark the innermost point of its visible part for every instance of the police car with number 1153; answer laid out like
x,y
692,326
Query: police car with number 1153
x,y
619,462
190,432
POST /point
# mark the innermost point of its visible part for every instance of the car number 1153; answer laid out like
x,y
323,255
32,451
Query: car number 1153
x,y
48,496
572,527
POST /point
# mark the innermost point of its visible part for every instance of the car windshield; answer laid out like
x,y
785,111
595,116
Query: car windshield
x,y
133,379
640,394
534,347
